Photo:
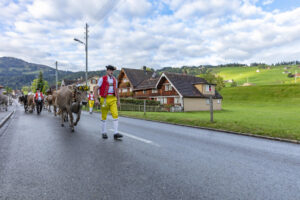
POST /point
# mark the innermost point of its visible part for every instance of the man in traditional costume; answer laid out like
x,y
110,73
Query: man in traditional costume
x,y
108,89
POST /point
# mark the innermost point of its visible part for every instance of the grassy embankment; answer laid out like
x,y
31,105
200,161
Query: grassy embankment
x,y
271,110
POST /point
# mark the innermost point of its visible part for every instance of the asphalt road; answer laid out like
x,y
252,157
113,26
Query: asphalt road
x,y
39,159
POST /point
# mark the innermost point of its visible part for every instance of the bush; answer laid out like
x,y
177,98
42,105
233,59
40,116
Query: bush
x,y
290,75
139,101
233,84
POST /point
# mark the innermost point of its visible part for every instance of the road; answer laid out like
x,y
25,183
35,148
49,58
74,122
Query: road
x,y
39,159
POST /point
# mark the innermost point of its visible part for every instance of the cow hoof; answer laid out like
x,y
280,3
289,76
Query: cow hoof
x,y
62,125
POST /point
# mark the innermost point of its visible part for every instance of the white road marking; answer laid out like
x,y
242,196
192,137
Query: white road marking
x,y
138,138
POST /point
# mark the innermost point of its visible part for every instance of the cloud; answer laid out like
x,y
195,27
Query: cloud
x,y
133,33
267,2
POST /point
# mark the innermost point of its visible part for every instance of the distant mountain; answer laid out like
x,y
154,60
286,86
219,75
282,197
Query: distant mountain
x,y
16,73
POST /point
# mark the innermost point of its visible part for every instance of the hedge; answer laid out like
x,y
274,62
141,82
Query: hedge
x,y
139,101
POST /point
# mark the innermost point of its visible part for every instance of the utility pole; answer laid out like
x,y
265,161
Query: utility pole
x,y
56,74
86,53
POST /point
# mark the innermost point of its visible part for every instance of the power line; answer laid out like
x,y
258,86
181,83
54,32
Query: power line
x,y
113,6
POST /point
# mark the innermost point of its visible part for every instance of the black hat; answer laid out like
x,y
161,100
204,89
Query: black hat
x,y
110,67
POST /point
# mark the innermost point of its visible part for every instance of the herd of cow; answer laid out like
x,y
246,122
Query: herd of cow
x,y
67,100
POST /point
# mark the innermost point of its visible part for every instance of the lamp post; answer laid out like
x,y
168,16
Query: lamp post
x,y
86,52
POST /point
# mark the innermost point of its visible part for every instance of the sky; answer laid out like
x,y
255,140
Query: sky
x,y
154,33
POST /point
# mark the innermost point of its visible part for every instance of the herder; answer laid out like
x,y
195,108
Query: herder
x,y
109,100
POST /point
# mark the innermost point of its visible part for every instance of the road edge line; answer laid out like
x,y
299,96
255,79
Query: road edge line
x,y
6,119
221,130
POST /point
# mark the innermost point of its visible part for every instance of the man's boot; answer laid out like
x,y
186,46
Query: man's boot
x,y
117,136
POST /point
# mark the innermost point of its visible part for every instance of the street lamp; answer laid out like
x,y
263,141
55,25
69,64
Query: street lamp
x,y
86,52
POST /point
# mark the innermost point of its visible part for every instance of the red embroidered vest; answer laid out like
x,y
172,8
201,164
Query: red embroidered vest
x,y
37,96
105,86
91,96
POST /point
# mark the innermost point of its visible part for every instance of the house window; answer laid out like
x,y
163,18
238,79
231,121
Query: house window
x,y
207,101
130,89
154,91
124,90
165,100
144,91
208,88
219,101
125,80
161,100
177,100
168,87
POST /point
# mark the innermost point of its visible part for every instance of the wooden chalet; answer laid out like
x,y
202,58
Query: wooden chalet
x,y
187,92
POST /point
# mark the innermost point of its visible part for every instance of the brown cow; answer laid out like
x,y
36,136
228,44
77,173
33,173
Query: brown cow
x,y
53,94
68,100
30,102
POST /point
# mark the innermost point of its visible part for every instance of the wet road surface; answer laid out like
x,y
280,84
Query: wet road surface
x,y
39,159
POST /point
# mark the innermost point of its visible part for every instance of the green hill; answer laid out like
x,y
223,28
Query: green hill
x,y
285,94
16,73
265,76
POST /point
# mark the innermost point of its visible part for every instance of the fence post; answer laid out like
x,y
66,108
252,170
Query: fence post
x,y
144,107
211,109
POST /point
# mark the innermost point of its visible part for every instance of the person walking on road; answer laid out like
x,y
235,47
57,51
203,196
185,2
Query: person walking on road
x,y
108,87
91,98
39,100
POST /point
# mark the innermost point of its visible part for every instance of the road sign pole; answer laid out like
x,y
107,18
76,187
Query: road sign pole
x,y
144,107
211,109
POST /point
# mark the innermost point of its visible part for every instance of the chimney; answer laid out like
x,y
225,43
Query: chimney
x,y
145,70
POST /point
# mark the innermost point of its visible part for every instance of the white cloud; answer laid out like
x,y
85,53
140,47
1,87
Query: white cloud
x,y
267,2
134,33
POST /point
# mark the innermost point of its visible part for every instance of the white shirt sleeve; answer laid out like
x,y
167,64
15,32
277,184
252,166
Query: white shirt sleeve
x,y
100,81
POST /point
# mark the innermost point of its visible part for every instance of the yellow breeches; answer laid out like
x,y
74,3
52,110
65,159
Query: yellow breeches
x,y
91,103
110,105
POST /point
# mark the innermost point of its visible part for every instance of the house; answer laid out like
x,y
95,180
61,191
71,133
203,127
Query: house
x,y
130,79
188,92
1,89
228,81
92,82
248,84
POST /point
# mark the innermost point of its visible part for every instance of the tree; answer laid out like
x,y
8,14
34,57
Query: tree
x,y
220,83
39,83
25,88
212,79
8,90
147,68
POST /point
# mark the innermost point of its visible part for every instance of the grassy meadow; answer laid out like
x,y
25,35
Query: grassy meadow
x,y
271,76
271,110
